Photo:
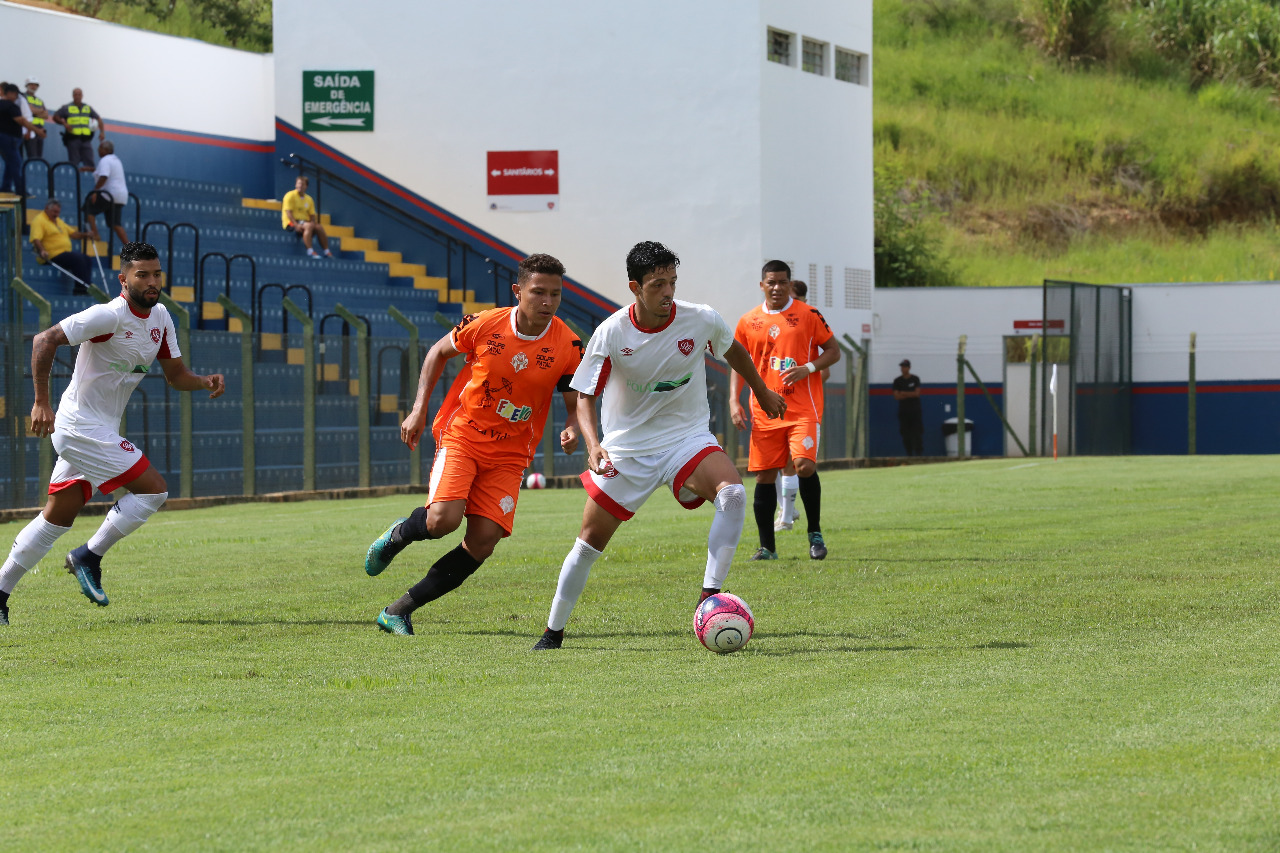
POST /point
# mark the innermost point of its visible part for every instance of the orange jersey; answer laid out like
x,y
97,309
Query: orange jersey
x,y
502,394
778,340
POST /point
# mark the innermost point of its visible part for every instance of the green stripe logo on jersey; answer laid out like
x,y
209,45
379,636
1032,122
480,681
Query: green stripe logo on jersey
x,y
660,387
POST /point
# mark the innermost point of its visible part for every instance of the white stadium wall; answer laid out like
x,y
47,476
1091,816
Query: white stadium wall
x,y
817,178
139,77
656,111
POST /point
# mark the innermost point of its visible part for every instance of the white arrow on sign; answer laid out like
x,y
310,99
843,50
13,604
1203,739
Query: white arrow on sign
x,y
329,120
497,173
549,172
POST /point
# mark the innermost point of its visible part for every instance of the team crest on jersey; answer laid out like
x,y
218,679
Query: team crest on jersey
x,y
808,442
519,361
155,335
774,331
128,333
686,345
127,447
507,504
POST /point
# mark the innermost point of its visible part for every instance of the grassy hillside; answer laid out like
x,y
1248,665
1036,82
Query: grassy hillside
x,y
1024,167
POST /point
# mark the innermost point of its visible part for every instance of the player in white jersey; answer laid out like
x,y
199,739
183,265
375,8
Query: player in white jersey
x,y
118,342
646,364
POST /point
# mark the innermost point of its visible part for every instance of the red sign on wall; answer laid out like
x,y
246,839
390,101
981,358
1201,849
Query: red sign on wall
x,y
1039,324
524,180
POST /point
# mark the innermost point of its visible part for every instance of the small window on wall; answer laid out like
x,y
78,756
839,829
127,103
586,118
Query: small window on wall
x,y
815,57
780,47
813,284
850,65
826,287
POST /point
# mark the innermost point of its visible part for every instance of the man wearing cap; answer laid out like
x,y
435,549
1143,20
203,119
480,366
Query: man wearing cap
x,y
51,237
34,139
78,136
906,390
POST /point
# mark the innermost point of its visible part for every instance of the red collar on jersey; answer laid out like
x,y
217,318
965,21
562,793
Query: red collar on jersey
x,y
631,314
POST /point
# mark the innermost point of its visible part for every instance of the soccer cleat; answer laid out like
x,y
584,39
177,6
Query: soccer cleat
x,y
779,525
90,579
4,615
382,551
549,640
392,624
764,554
817,548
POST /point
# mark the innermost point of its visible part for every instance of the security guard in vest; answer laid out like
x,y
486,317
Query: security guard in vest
x,y
78,136
35,142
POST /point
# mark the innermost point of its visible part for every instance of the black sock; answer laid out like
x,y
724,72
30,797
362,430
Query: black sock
x,y
559,635
707,592
412,529
4,599
445,576
765,505
811,497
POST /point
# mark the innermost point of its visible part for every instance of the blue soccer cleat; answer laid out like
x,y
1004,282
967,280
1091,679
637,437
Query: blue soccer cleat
x,y
90,578
382,551
392,624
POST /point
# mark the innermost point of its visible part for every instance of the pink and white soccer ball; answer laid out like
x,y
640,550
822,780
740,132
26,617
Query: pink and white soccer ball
x,y
723,623
535,481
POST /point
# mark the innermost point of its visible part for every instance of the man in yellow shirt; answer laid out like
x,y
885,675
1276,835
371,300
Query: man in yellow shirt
x,y
51,238
298,214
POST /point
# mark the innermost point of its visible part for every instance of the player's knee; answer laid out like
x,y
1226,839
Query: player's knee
x,y
805,467
133,510
732,499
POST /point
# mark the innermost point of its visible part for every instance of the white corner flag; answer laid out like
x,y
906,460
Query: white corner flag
x,y
1053,389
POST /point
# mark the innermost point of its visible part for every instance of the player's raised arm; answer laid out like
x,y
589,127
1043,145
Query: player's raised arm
x,y
42,350
740,360
416,421
180,377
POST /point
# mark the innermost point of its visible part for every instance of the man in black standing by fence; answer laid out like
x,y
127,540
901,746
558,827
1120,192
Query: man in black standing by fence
x,y
906,390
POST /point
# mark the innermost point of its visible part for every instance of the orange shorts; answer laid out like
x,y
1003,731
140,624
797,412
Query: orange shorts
x,y
491,487
770,448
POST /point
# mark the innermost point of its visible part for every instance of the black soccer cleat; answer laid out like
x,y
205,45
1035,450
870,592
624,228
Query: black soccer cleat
x,y
817,548
549,640
4,615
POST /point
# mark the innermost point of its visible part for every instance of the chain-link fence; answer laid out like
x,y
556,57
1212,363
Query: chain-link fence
x,y
276,429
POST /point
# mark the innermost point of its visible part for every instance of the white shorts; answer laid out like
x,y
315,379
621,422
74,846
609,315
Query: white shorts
x,y
96,458
625,486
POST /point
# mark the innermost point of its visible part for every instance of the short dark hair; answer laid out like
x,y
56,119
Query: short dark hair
x,y
646,257
799,289
6,88
775,266
134,252
539,263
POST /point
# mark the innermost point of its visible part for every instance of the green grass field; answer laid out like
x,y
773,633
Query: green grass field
x,y
998,655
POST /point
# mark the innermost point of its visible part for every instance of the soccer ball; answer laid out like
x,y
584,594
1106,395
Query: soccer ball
x,y
535,481
723,623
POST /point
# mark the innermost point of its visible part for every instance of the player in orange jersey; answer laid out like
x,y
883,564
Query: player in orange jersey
x,y
790,344
486,431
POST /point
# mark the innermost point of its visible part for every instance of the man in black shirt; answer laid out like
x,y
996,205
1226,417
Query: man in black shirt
x,y
906,390
11,125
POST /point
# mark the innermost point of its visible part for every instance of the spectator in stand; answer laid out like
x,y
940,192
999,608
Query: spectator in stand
x,y
298,214
78,135
51,237
12,124
34,139
110,194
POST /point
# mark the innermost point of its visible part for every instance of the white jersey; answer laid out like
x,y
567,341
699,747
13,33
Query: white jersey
x,y
652,383
117,347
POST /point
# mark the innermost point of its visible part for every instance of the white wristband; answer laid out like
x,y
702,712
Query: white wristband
x,y
809,366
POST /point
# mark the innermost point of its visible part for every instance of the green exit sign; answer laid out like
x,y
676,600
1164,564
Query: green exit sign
x,y
337,100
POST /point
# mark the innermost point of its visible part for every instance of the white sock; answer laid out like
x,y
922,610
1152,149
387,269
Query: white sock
x,y
573,578
726,530
790,488
29,547
108,534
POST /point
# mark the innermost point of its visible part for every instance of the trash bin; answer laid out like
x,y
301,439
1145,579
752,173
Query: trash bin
x,y
949,428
